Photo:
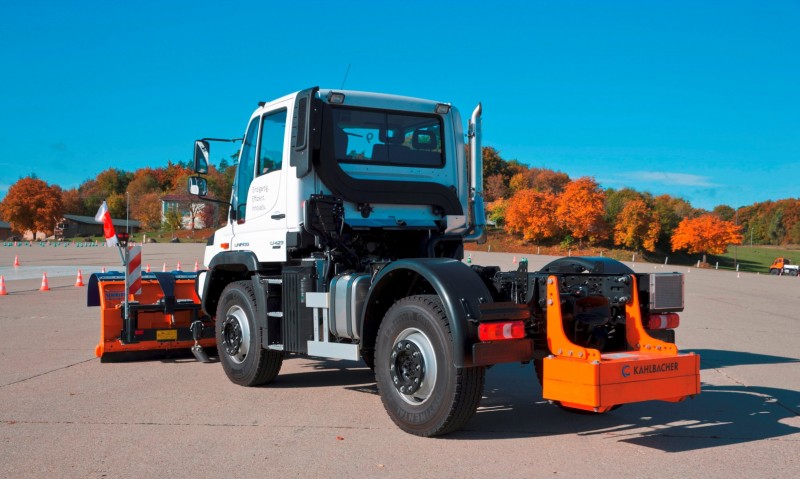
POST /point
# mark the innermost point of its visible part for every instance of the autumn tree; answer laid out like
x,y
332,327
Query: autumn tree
x,y
580,209
518,182
705,234
494,188
147,210
547,181
533,214
494,164
32,204
637,226
72,202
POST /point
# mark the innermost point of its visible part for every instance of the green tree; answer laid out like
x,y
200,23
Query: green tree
x,y
173,221
724,212
776,231
616,201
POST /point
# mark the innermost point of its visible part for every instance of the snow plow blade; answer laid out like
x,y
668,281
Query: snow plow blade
x,y
585,378
165,317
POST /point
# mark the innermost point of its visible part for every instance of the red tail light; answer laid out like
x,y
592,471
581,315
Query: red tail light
x,y
663,321
501,330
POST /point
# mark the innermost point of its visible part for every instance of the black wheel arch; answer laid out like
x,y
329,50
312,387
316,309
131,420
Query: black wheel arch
x,y
225,268
459,287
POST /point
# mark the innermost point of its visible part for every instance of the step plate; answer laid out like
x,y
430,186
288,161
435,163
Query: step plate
x,y
620,378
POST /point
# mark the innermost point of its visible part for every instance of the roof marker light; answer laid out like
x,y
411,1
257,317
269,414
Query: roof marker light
x,y
336,98
442,108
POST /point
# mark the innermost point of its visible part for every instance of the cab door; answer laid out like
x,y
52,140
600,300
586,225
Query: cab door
x,y
260,199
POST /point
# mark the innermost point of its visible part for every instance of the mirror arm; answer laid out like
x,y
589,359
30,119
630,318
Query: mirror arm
x,y
214,200
224,140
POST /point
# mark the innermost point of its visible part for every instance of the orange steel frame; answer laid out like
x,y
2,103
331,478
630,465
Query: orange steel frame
x,y
111,306
585,378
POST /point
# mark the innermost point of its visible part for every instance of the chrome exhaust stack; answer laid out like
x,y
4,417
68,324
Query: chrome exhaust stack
x,y
476,217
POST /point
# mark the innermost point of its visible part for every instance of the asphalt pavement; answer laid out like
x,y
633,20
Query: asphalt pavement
x,y
63,413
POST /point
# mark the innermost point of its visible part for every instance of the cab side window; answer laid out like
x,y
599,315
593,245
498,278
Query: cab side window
x,y
245,171
273,133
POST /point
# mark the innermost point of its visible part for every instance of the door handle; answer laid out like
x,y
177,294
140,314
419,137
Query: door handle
x,y
278,216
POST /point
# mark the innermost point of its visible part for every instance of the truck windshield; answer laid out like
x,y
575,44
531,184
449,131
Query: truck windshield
x,y
389,138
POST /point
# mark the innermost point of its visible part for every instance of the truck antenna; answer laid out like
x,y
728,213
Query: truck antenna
x,y
345,77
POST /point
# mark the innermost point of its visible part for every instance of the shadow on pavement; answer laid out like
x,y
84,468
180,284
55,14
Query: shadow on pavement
x,y
715,358
319,373
719,416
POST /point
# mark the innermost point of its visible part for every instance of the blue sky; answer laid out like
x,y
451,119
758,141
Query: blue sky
x,y
696,99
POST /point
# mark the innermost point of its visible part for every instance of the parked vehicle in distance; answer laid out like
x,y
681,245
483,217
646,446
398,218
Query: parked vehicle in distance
x,y
783,266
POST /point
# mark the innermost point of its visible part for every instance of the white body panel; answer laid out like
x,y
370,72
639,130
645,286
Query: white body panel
x,y
275,200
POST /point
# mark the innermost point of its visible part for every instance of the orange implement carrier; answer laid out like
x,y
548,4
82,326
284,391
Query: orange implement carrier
x,y
585,378
165,316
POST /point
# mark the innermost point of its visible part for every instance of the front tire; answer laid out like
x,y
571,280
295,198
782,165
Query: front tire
x,y
243,359
421,389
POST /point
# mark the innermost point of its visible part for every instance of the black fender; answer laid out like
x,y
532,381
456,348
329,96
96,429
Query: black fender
x,y
226,267
459,287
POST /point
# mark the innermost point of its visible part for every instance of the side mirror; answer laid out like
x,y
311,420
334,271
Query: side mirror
x,y
198,186
201,152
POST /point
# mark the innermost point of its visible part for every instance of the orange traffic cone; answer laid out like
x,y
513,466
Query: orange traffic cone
x,y
3,291
147,269
196,266
178,268
44,286
164,268
16,261
79,279
515,259
103,270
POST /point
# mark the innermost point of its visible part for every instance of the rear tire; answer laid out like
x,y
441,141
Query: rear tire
x,y
243,359
421,389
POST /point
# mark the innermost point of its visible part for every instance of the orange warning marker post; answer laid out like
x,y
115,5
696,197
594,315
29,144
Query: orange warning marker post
x,y
3,291
164,268
45,286
196,266
178,268
79,279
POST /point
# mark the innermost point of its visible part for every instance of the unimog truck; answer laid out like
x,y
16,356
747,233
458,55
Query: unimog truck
x,y
345,239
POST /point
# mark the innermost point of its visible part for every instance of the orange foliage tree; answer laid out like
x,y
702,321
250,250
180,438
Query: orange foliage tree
x,y
705,234
637,226
532,214
580,209
32,204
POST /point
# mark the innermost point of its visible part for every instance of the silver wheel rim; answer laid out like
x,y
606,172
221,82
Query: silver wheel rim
x,y
235,313
421,341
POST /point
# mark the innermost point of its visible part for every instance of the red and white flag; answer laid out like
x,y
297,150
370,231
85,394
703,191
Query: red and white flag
x,y
103,216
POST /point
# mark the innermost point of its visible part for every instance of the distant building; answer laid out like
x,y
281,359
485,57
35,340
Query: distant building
x,y
74,226
5,230
189,207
